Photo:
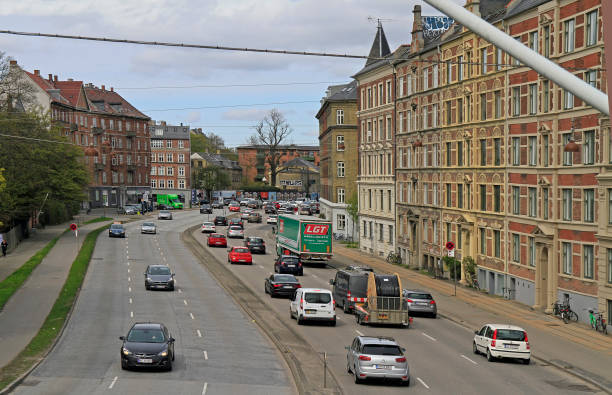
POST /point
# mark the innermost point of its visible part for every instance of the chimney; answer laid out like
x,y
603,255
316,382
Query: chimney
x,y
37,72
112,89
55,78
50,77
103,88
473,6
13,63
163,123
181,123
417,30
70,79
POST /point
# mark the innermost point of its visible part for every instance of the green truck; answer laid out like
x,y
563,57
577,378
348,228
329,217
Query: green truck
x,y
170,200
306,236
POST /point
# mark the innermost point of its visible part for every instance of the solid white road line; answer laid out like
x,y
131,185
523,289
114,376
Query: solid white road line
x,y
429,337
130,300
112,384
422,382
205,356
463,356
131,314
204,389
191,315
185,301
199,333
359,333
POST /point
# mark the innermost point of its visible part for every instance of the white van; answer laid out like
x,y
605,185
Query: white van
x,y
313,304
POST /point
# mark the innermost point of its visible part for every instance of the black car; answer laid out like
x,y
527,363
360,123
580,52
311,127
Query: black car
x,y
227,201
236,222
204,201
164,207
220,220
159,277
288,264
255,244
281,285
206,209
147,345
270,209
116,230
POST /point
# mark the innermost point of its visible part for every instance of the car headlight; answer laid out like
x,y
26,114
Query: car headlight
x,y
163,353
125,351
149,279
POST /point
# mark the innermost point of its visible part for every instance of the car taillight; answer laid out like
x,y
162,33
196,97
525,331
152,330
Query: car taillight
x,y
348,294
432,302
364,358
402,359
301,303
298,286
526,341
299,264
276,285
493,342
334,303
409,300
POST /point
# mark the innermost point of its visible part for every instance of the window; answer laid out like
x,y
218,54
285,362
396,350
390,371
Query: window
x,y
181,158
591,28
483,198
568,158
459,195
434,225
448,72
498,104
388,128
516,247
340,143
516,200
459,153
590,77
533,202
545,149
162,183
516,101
459,110
425,193
340,166
588,146
181,144
169,157
533,98
589,205
435,195
468,195
340,117
168,143
498,59
547,41
533,41
449,196
567,204
153,183
569,35
497,198
483,61
483,241
532,251
434,75
170,183
516,151
425,78
341,222
545,203
483,106
381,232
588,261
388,92
460,67
497,242
161,171
181,184
434,115
483,152
181,171
497,151
567,257
425,122
401,86
533,150
546,96
448,154
568,100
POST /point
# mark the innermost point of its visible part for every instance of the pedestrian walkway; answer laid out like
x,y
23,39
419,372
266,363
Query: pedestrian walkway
x,y
26,310
573,346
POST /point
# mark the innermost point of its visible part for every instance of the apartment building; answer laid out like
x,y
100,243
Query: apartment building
x,y
338,149
170,160
376,123
252,159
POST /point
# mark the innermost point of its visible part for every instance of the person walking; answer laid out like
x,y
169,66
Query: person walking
x,y
4,244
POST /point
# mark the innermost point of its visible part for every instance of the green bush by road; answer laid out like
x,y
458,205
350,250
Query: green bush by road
x,y
40,344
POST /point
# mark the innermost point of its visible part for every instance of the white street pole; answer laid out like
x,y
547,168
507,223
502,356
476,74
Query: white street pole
x,y
539,63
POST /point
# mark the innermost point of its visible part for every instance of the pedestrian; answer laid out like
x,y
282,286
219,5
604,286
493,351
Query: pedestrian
x,y
4,244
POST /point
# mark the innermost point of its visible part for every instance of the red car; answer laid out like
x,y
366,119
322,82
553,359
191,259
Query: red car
x,y
234,207
217,240
240,255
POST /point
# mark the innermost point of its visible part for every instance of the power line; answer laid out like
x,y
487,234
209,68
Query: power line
x,y
234,105
35,139
232,85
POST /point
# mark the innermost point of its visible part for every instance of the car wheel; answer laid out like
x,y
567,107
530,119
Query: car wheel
x,y
406,383
333,323
490,357
345,307
301,273
356,377
169,366
527,361
475,348
123,365
290,313
300,321
434,315
348,367
147,287
265,288
172,288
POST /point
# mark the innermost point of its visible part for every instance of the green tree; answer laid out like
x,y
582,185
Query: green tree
x,y
211,178
352,207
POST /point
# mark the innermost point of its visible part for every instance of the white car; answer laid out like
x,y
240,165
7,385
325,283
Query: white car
x,y
245,213
244,202
272,220
208,227
235,231
502,341
313,304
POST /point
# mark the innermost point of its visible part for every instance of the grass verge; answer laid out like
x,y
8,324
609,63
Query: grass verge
x,y
101,219
51,328
15,280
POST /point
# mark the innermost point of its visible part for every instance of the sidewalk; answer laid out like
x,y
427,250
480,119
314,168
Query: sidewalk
x,y
573,346
27,309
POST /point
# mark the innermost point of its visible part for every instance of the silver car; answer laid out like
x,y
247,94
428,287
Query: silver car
x,y
246,213
235,231
164,214
420,302
148,227
377,357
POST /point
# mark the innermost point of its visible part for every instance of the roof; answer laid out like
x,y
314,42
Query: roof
x,y
51,87
380,46
342,92
169,132
281,147
219,160
505,326
378,340
150,325
321,290
299,162
110,102
517,6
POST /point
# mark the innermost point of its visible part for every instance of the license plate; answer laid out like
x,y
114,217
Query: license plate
x,y
513,346
384,367
287,286
290,265
242,260
311,311
145,360
383,316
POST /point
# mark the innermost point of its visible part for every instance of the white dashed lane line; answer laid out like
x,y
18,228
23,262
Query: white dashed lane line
x,y
112,384
180,291
185,301
205,356
131,314
261,267
359,333
422,382
129,279
464,357
191,315
128,270
315,276
199,333
429,337
129,289
204,389
130,300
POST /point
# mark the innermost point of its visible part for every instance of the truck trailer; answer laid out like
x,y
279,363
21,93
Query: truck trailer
x,y
305,236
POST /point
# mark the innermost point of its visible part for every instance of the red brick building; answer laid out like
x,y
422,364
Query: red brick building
x,y
170,160
254,166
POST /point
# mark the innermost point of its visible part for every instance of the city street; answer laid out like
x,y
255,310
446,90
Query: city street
x,y
218,350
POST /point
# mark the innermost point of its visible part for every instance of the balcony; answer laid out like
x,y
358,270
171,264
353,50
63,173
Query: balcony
x,y
97,130
98,166
130,133
131,167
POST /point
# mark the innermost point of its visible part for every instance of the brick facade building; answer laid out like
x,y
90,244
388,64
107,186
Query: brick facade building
x,y
254,166
170,160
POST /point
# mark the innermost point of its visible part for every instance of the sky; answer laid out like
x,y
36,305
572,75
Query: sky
x,y
193,86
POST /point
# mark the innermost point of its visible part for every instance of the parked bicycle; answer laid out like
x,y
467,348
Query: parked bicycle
x,y
339,236
394,258
598,322
564,311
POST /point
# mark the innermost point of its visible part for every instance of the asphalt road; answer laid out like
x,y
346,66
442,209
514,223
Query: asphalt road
x,y
439,351
218,349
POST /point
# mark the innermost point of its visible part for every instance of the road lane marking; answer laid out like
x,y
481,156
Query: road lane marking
x,y
130,300
205,356
131,314
315,276
185,301
112,384
429,337
359,333
129,289
180,291
199,333
422,382
204,389
129,279
261,266
128,257
128,263
128,270
463,356
191,315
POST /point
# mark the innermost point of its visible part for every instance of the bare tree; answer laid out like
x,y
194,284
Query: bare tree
x,y
271,132
16,92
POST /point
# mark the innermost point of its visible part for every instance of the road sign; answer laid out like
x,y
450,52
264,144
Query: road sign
x,y
73,226
451,253
450,246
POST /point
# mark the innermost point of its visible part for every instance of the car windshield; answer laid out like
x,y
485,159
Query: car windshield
x,y
290,259
241,250
117,227
218,236
146,336
358,286
317,297
220,218
418,295
381,349
159,270
285,278
207,224
235,228
148,224
164,212
256,240
510,334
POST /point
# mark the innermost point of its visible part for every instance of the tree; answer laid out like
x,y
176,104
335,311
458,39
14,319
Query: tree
x,y
16,92
352,208
207,142
211,178
271,132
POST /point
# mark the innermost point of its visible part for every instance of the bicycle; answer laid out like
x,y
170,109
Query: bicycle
x,y
567,314
394,258
339,236
598,322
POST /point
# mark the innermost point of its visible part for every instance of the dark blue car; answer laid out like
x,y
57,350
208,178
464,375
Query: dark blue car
x,y
116,230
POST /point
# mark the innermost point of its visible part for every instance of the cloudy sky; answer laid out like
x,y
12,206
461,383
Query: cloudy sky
x,y
193,86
